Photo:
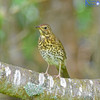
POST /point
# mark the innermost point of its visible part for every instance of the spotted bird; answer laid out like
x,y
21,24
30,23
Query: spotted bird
x,y
52,50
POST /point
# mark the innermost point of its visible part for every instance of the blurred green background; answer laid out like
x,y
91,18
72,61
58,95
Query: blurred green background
x,y
74,24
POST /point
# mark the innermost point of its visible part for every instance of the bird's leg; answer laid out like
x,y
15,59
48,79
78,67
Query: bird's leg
x,y
47,69
58,76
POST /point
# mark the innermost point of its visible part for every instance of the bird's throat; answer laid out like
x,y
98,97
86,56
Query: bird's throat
x,y
41,32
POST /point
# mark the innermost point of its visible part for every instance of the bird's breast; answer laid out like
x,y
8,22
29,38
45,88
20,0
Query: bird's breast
x,y
42,43
50,50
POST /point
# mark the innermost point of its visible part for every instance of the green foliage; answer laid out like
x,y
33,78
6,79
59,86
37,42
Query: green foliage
x,y
18,2
28,15
2,35
29,44
1,20
84,19
83,16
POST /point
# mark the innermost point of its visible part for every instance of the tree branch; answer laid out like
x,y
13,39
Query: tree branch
x,y
26,84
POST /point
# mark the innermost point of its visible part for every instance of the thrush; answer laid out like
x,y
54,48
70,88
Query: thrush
x,y
52,50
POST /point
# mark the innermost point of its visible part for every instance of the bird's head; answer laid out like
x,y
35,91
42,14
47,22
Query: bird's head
x,y
44,29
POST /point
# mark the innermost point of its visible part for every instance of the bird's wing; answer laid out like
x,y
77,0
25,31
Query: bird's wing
x,y
61,48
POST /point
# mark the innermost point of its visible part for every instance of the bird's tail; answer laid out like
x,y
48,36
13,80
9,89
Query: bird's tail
x,y
64,72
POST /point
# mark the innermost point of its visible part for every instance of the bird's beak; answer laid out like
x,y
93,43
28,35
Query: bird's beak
x,y
38,27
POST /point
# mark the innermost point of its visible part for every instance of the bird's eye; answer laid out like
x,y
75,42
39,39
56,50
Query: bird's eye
x,y
45,27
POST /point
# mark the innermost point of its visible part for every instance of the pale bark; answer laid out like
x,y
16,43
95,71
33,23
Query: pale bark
x,y
26,84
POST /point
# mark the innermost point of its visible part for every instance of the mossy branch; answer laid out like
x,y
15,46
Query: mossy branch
x,y
26,84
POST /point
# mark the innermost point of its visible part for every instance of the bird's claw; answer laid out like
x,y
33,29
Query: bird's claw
x,y
57,76
46,73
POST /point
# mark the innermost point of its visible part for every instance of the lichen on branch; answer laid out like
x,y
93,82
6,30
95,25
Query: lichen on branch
x,y
26,84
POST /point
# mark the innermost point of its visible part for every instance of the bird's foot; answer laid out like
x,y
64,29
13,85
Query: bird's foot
x,y
58,76
46,73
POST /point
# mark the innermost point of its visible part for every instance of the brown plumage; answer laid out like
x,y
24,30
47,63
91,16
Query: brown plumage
x,y
52,50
